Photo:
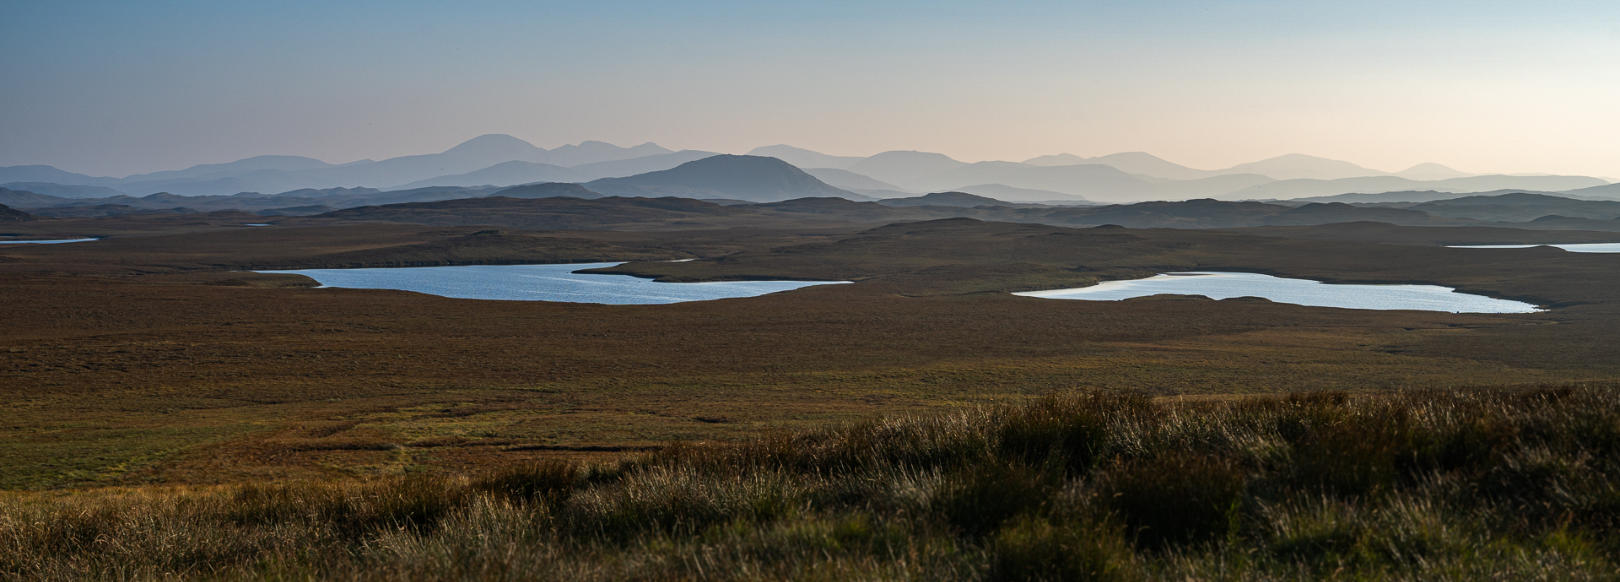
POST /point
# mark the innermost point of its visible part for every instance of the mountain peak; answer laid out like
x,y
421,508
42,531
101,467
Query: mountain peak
x,y
594,151
913,155
1135,156
804,158
494,144
1431,171
738,177
1063,159
1303,166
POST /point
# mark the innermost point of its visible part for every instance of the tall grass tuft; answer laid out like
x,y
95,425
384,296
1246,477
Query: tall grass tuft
x,y
1498,484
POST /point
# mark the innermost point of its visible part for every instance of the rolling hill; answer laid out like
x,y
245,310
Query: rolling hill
x,y
548,190
1431,171
1025,195
1139,163
9,214
1301,188
804,158
503,160
749,178
848,180
907,169
63,190
1301,166
482,160
504,174
1520,207
948,199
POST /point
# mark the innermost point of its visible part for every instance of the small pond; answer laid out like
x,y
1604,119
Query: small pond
x,y
1217,285
47,241
1574,247
542,283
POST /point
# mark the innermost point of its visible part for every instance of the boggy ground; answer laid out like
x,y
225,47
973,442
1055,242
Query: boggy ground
x,y
1092,485
149,357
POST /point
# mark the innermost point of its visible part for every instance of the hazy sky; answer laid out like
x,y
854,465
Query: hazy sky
x,y
118,87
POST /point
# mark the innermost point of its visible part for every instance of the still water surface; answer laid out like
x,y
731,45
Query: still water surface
x,y
1217,285
46,242
542,283
1574,248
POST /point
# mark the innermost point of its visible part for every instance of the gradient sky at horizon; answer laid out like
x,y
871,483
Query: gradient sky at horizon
x,y
113,88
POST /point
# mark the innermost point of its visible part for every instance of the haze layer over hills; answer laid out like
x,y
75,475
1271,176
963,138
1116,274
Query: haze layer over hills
x,y
501,160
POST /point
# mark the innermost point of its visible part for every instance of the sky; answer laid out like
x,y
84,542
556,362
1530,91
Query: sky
x,y
114,88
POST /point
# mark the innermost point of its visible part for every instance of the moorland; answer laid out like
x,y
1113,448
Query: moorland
x,y
171,412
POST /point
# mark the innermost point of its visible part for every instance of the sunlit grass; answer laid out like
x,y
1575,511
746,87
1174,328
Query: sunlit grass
x,y
1507,484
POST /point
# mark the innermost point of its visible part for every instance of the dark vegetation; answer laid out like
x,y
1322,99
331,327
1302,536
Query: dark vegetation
x,y
1460,484
150,357
169,414
9,214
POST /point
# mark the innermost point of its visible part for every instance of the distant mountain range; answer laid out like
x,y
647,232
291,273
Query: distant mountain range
x,y
666,212
489,159
724,177
501,160
736,191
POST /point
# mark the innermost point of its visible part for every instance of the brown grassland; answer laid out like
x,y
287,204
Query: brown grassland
x,y
154,387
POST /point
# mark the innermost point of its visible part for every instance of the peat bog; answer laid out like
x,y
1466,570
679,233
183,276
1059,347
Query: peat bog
x,y
152,381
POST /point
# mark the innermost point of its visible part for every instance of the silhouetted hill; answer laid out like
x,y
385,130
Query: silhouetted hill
x,y
494,146
503,174
593,152
320,199
828,205
641,165
547,190
846,179
542,213
1413,196
1027,195
908,169
488,159
1603,192
9,214
1284,189
63,190
638,212
1139,163
949,199
1063,159
25,199
1430,171
1520,207
1572,223
229,169
1337,212
1301,166
338,193
106,211
751,178
1200,213
1089,181
43,173
804,158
